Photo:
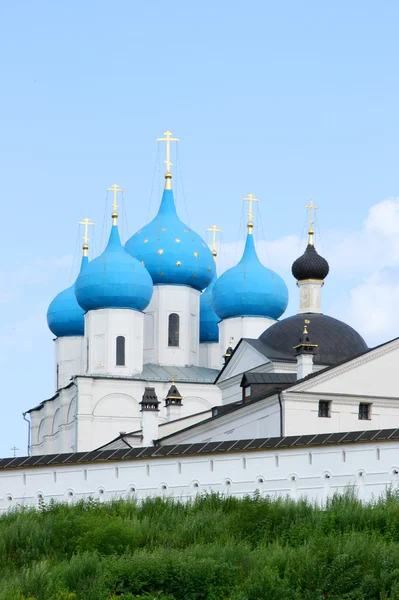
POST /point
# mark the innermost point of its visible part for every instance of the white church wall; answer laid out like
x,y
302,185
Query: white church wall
x,y
102,328
68,359
315,472
95,410
211,355
242,327
166,300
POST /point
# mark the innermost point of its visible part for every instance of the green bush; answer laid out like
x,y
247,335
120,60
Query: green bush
x,y
212,548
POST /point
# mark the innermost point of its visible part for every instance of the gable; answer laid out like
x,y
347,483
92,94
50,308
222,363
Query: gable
x,y
245,358
373,374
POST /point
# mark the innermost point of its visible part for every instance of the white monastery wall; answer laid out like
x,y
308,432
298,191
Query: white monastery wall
x,y
69,359
95,410
183,301
241,327
314,472
211,355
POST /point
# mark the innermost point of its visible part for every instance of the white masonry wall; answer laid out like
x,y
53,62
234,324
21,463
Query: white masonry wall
x,y
102,327
241,327
315,472
68,359
168,299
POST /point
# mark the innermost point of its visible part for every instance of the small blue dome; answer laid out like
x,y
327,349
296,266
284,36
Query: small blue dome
x,y
114,280
172,252
64,315
209,330
249,289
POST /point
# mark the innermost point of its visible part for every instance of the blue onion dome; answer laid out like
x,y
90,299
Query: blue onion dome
x,y
64,315
172,253
209,330
114,279
249,289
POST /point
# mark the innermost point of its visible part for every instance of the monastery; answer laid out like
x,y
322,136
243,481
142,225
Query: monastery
x,y
170,380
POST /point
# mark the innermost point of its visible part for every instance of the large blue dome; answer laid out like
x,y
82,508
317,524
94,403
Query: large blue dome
x,y
249,289
172,252
114,280
209,330
64,315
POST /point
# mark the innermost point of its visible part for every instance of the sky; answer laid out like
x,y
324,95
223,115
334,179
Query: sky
x,y
288,100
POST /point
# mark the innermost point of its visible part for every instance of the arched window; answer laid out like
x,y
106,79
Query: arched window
x,y
120,351
173,333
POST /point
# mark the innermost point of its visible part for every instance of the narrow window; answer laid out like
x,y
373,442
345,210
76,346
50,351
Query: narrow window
x,y
310,458
324,408
276,460
85,474
24,479
378,452
244,463
117,472
174,326
147,468
58,376
120,351
55,477
87,355
211,464
364,411
179,467
343,456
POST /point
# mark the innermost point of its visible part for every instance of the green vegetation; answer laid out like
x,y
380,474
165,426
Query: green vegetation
x,y
213,548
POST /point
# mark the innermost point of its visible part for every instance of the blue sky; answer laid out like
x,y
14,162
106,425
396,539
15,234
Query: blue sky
x,y
290,100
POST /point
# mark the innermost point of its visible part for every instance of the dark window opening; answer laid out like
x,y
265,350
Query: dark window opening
x,y
173,333
324,408
120,351
58,377
364,411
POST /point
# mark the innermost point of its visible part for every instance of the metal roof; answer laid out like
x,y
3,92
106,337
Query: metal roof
x,y
294,441
268,378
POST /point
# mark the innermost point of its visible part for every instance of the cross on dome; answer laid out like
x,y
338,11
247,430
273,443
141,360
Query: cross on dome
x,y
250,199
168,139
311,207
215,229
114,188
86,222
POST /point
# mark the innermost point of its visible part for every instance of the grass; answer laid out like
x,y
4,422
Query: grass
x,y
213,548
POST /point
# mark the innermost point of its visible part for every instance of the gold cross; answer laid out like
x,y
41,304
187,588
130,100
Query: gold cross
x,y
86,222
250,198
168,138
215,229
311,207
114,188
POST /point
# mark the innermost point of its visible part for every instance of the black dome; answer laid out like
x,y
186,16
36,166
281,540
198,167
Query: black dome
x,y
336,340
310,265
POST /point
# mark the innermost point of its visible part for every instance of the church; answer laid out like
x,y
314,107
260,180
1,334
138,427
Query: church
x,y
172,380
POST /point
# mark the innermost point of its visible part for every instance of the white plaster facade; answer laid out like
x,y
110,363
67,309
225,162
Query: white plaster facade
x,y
232,330
316,472
211,355
91,411
310,296
166,300
69,359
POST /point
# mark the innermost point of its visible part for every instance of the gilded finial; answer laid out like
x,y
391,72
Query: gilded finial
x,y
173,378
168,175
215,229
250,198
305,327
114,188
311,207
86,222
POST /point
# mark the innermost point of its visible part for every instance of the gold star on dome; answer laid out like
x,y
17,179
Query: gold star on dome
x,y
143,263
160,272
178,263
209,268
204,245
193,275
163,229
196,254
160,251
186,231
145,241
177,240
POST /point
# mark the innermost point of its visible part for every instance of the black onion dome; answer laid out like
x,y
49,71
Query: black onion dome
x,y
336,340
310,265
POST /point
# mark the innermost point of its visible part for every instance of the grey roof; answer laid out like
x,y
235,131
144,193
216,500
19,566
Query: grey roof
x,y
152,372
268,378
294,441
